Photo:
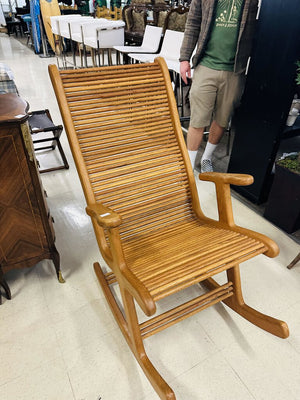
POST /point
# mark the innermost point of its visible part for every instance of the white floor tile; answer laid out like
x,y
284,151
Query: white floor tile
x,y
48,381
212,379
269,366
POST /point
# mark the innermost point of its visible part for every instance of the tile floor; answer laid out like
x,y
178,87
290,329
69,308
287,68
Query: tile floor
x,y
60,342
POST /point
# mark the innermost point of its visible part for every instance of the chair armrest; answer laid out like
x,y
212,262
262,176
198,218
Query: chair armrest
x,y
222,182
105,217
232,179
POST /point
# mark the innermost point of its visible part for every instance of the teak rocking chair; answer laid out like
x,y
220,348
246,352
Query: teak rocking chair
x,y
126,139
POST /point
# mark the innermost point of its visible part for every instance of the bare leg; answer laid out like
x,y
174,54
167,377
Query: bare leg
x,y
195,135
194,138
215,133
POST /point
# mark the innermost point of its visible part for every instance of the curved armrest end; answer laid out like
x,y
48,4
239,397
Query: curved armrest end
x,y
272,247
139,292
105,217
227,178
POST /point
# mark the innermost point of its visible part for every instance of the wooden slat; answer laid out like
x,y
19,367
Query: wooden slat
x,y
189,308
103,94
79,107
127,135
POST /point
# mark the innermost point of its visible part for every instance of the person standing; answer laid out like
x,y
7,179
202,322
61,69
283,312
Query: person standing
x,y
222,32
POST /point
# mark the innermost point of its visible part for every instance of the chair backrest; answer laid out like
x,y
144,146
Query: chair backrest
x,y
91,30
152,37
124,131
64,25
171,44
126,16
176,19
75,27
138,16
102,12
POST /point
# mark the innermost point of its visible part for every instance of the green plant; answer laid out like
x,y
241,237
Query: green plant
x,y
291,162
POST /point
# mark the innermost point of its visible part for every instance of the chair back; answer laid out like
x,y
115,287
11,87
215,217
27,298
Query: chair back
x,y
75,27
64,25
176,19
171,44
152,38
124,131
103,32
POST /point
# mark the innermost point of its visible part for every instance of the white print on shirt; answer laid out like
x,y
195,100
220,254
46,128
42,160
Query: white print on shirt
x,y
228,16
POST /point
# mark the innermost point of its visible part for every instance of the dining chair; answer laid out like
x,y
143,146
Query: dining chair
x,y
103,36
151,42
170,48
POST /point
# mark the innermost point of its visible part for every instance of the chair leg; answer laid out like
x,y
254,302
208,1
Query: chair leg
x,y
294,262
80,55
236,303
131,331
118,57
109,57
62,154
93,57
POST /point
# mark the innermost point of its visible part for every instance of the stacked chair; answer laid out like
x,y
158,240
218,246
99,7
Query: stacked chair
x,y
135,18
102,35
151,42
76,37
67,27
125,135
94,35
109,13
170,49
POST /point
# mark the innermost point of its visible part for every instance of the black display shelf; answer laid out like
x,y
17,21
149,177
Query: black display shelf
x,y
260,121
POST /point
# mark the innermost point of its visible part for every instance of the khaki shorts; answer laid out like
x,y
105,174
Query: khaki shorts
x,y
214,96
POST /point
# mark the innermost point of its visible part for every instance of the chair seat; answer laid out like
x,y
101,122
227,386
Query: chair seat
x,y
136,49
170,49
169,260
143,57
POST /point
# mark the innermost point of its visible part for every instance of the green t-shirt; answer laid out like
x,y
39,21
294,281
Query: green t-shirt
x,y
221,47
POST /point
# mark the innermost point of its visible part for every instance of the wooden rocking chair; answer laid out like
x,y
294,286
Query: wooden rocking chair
x,y
125,135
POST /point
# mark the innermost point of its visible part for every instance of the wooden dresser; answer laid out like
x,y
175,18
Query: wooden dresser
x,y
26,230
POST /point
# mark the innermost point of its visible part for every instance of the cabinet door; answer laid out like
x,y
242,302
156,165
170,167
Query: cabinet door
x,y
22,236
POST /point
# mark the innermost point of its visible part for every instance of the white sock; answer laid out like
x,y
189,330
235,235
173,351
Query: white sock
x,y
192,154
208,152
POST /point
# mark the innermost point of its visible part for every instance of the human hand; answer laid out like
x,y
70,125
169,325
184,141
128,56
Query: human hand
x,y
185,71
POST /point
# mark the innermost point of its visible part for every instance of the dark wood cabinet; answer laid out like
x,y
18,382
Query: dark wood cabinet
x,y
26,230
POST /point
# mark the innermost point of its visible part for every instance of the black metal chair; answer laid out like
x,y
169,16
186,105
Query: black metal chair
x,y
41,121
